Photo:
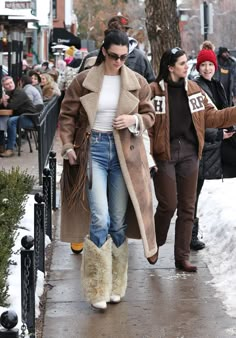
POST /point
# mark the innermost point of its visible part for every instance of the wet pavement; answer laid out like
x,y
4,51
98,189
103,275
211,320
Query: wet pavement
x,y
28,162
160,301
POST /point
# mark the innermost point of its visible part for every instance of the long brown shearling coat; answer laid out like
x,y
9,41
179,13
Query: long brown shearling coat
x,y
79,108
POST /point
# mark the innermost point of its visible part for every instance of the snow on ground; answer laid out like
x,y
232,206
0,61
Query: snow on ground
x,y
14,278
217,224
217,215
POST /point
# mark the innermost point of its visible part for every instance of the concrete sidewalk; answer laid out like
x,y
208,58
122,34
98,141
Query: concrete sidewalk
x,y
160,301
29,161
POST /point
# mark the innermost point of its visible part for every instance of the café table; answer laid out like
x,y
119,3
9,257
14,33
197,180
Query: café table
x,y
4,116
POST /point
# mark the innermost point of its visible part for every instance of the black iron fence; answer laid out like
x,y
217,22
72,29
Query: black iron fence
x,y
46,131
33,257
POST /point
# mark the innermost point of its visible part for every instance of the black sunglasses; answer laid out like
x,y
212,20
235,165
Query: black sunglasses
x,y
116,57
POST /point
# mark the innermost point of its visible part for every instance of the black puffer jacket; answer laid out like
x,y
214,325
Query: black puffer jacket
x,y
227,69
139,63
210,165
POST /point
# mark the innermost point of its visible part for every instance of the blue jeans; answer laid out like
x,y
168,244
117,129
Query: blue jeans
x,y
108,197
11,129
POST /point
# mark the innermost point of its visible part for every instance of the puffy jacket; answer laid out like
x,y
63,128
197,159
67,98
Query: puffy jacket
x,y
220,91
204,115
228,68
210,166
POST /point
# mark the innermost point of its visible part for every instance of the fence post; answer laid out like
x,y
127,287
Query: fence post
x,y
9,320
47,193
27,286
39,233
53,169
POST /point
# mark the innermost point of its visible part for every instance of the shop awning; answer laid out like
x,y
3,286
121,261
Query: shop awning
x,y
62,36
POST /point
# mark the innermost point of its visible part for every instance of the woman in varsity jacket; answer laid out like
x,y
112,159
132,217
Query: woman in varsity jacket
x,y
183,112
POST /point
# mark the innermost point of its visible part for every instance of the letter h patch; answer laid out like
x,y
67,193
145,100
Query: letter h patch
x,y
159,104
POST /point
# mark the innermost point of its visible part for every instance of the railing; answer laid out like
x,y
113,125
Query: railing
x,y
45,124
46,131
33,257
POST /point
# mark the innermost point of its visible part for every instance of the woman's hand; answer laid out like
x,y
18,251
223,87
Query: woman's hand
x,y
71,157
124,121
227,134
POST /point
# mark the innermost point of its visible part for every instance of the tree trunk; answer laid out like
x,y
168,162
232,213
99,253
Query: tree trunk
x,y
163,28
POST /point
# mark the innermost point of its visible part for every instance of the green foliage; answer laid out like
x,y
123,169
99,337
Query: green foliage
x,y
14,187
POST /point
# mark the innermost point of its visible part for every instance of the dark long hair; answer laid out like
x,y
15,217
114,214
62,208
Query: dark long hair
x,y
25,80
112,37
169,58
32,72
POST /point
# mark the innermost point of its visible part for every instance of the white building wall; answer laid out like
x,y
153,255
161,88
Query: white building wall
x,y
68,12
44,13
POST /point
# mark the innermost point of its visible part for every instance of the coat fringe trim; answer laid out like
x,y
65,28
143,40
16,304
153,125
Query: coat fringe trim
x,y
74,177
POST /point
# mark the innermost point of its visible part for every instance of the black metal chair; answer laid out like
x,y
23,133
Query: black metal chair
x,y
29,132
36,118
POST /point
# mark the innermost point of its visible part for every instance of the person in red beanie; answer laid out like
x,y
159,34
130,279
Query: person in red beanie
x,y
207,54
216,140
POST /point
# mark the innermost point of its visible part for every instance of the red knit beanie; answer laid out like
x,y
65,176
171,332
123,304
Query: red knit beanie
x,y
206,54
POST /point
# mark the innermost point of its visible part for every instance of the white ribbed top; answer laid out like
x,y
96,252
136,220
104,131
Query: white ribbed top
x,y
108,102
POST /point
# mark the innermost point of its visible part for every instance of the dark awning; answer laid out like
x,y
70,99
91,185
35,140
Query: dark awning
x,y
62,36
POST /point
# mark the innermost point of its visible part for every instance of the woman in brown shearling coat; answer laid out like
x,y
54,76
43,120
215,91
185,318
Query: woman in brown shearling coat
x,y
108,105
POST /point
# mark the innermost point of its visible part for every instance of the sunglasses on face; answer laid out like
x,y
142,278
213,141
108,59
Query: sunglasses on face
x,y
116,57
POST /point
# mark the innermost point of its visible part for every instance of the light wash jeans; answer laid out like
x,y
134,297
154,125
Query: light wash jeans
x,y
108,197
26,122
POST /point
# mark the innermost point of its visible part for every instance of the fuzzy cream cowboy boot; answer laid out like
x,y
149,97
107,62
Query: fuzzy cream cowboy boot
x,y
96,273
119,271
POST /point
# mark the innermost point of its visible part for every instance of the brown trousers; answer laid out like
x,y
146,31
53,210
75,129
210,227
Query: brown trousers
x,y
175,188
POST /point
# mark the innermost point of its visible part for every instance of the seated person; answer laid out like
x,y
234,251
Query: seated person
x,y
36,79
17,100
49,87
45,66
32,92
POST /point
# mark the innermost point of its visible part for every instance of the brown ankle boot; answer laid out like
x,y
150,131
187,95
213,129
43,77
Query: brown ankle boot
x,y
2,148
7,153
185,266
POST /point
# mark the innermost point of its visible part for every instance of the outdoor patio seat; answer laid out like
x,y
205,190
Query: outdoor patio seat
x,y
30,133
39,122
